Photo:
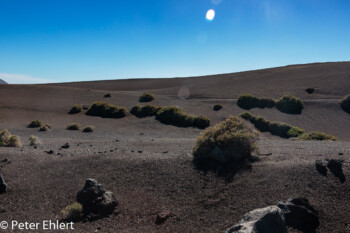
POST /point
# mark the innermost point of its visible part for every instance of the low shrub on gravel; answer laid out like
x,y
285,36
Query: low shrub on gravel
x,y
9,140
217,107
73,127
317,136
88,129
295,132
310,90
345,104
33,140
45,127
107,95
230,140
266,103
146,97
249,101
289,104
73,212
176,116
35,124
75,109
106,110
144,111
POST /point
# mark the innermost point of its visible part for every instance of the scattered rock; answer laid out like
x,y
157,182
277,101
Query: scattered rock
x,y
65,146
4,160
300,214
95,200
162,217
3,185
140,151
336,167
321,167
267,154
340,153
265,220
50,152
165,152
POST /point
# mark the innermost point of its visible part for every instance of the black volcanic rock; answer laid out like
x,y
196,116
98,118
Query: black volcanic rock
x,y
336,167
3,185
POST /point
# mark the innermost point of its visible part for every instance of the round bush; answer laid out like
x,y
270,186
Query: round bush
x,y
317,136
106,110
174,116
73,127
144,111
217,107
88,129
75,109
9,140
247,101
295,132
201,122
35,124
230,140
280,129
310,90
45,127
146,97
289,104
345,104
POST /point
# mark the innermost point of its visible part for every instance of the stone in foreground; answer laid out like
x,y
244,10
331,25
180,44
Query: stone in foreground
x,y
3,185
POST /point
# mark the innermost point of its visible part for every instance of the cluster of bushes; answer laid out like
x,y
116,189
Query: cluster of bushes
x,y
75,109
284,130
146,97
45,127
144,111
276,128
33,140
249,101
86,129
230,140
177,117
217,107
345,104
9,140
106,110
40,125
289,104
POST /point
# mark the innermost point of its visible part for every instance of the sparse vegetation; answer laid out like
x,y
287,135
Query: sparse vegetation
x,y
317,136
146,97
108,95
230,140
289,104
88,129
280,129
144,111
249,101
33,140
177,117
73,126
295,132
73,212
45,127
217,107
345,104
310,90
9,140
75,109
35,124
106,110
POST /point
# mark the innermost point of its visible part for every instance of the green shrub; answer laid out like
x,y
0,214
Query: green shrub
x,y
247,101
295,132
73,127
75,109
33,140
230,140
35,124
107,95
247,116
310,90
280,129
177,117
9,140
345,104
73,212
261,124
144,111
45,127
106,110
265,103
319,136
88,129
146,97
289,104
217,107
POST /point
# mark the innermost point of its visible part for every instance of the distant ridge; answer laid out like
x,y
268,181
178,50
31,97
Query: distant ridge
x,y
2,82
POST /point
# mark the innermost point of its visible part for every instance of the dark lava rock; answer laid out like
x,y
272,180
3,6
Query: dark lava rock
x,y
65,146
162,217
300,214
95,200
50,152
140,151
336,167
3,185
4,160
321,167
265,220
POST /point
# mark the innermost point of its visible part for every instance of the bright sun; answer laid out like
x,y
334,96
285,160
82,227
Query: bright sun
x,y
210,14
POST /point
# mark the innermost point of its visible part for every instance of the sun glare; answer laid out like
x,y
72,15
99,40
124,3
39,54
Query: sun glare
x,y
210,14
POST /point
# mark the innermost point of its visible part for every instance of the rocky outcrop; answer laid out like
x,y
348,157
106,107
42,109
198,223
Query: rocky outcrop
x,y
300,214
96,201
266,220
3,185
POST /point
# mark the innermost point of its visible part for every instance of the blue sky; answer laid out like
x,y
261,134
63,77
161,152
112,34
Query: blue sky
x,y
71,40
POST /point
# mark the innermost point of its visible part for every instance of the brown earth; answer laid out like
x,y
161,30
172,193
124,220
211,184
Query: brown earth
x,y
162,176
